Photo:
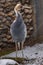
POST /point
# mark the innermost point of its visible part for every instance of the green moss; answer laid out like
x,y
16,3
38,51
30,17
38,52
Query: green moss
x,y
18,59
4,52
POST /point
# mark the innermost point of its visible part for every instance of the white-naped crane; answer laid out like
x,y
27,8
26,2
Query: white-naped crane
x,y
18,29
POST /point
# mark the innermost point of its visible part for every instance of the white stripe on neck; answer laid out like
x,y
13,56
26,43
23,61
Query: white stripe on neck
x,y
16,12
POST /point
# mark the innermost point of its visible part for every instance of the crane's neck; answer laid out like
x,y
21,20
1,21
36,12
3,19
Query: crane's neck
x,y
16,12
18,15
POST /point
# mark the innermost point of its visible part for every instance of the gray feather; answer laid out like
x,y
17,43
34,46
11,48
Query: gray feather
x,y
18,29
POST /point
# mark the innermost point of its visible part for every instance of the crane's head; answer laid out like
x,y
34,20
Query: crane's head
x,y
18,7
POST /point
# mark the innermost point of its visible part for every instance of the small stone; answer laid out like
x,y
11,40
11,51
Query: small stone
x,y
27,7
30,20
4,20
26,11
27,24
7,4
26,20
2,36
6,10
1,17
36,53
31,28
2,1
28,31
1,26
28,16
1,44
9,0
27,1
8,37
23,1
30,11
1,5
3,29
2,14
1,9
8,18
11,13
4,40
7,24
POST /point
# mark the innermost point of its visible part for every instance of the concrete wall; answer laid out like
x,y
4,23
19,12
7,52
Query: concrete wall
x,y
38,8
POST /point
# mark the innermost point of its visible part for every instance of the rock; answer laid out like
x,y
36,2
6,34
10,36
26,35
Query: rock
x,y
2,1
9,0
4,40
27,1
36,53
28,31
28,16
7,4
27,7
26,20
23,1
2,14
1,17
11,13
1,9
1,5
31,28
1,44
30,20
3,36
4,20
8,18
28,24
7,24
4,45
8,37
1,26
28,11
3,30
7,9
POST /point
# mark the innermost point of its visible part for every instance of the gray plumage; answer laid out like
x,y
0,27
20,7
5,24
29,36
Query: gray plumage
x,y
18,29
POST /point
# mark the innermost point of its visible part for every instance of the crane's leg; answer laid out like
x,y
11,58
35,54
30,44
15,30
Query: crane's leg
x,y
16,49
22,49
19,45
